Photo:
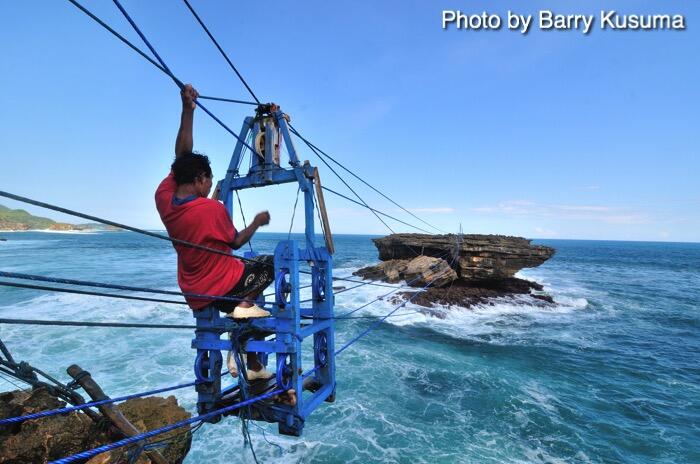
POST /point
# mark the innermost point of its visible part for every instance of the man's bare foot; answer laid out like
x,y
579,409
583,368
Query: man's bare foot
x,y
289,398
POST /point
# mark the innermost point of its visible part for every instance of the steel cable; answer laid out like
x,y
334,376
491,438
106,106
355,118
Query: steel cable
x,y
223,53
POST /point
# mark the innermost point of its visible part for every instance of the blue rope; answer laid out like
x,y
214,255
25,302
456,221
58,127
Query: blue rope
x,y
86,283
176,241
90,218
221,50
131,325
172,76
145,40
241,367
408,284
376,211
376,324
53,412
360,282
142,436
148,58
228,100
311,145
364,203
5,283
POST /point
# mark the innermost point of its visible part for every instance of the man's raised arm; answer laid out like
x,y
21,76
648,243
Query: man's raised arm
x,y
184,142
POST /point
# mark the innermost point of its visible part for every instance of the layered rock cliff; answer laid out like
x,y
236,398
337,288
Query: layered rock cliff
x,y
477,257
460,270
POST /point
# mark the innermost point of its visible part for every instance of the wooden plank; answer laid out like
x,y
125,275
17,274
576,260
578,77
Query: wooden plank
x,y
114,415
324,215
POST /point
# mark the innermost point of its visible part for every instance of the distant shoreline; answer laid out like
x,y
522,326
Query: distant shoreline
x,y
52,231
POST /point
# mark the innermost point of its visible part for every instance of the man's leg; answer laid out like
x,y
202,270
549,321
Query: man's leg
x,y
258,275
261,275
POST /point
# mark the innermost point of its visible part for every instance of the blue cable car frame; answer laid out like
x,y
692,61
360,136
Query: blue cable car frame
x,y
285,331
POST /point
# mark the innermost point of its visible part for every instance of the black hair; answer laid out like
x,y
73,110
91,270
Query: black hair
x,y
186,168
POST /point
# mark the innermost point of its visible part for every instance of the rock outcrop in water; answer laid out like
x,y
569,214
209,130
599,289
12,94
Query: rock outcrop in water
x,y
462,270
55,437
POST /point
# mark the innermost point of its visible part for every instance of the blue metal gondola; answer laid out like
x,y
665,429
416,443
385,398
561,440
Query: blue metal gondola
x,y
284,333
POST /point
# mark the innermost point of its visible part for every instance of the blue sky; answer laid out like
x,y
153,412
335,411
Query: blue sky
x,y
549,135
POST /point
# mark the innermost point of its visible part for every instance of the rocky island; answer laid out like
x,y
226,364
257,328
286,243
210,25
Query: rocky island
x,y
462,270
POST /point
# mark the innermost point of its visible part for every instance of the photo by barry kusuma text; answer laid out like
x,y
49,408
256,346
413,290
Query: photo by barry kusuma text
x,y
547,20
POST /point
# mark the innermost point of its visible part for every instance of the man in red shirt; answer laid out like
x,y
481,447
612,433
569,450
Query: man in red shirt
x,y
187,213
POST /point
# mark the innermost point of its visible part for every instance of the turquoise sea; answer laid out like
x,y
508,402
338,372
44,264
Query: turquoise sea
x,y
611,374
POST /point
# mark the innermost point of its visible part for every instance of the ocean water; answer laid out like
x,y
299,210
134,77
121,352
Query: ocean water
x,y
610,374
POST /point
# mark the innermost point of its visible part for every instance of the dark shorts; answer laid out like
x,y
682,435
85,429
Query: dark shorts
x,y
257,275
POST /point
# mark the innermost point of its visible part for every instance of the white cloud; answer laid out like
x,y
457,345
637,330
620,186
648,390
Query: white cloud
x,y
545,232
437,210
596,213
626,219
587,209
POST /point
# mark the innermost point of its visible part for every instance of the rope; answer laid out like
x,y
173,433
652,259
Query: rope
x,y
145,232
152,234
5,283
238,197
376,324
381,319
141,436
144,55
338,292
313,147
294,212
350,188
96,324
245,226
343,279
117,225
162,66
169,73
166,70
130,440
229,100
54,412
408,285
194,13
374,210
374,317
308,143
87,283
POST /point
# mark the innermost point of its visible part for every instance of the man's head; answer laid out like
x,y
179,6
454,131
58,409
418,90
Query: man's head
x,y
193,168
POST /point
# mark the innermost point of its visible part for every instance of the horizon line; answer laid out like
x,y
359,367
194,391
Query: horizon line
x,y
378,235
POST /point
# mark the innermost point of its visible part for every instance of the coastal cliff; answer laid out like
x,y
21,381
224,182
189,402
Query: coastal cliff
x,y
461,270
19,220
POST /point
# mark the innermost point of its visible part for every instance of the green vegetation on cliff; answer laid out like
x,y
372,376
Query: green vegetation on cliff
x,y
19,219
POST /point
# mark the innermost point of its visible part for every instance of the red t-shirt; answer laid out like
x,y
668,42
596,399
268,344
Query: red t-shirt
x,y
204,222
